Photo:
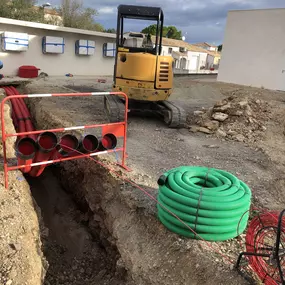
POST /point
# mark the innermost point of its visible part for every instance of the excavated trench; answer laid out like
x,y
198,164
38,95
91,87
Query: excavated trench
x,y
75,250
101,230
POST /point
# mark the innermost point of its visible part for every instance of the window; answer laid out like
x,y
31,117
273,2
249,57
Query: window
x,y
109,49
182,49
169,50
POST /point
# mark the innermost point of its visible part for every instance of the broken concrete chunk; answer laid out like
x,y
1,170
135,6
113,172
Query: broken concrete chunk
x,y
198,113
248,111
193,129
220,116
232,133
239,138
221,133
211,125
243,103
221,103
238,113
204,130
224,107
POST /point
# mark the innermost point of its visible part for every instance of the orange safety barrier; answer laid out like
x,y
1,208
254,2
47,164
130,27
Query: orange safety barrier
x,y
119,129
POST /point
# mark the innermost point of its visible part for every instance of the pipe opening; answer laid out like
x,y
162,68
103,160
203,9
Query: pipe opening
x,y
90,143
109,141
47,141
26,148
68,143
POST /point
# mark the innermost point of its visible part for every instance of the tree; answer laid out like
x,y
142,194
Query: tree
x,y
220,47
20,10
73,13
76,16
168,31
111,31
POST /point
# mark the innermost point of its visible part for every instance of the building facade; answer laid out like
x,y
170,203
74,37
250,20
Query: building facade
x,y
254,49
56,64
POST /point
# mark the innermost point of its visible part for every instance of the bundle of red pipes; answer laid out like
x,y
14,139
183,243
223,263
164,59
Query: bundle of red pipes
x,y
29,148
33,148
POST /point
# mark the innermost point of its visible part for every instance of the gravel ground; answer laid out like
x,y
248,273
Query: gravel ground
x,y
153,148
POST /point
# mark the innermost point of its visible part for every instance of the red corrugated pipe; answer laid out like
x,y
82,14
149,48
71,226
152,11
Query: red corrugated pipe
x,y
46,143
25,112
70,141
25,146
108,141
89,143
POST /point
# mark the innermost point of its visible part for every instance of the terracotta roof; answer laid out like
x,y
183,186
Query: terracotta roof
x,y
179,43
204,44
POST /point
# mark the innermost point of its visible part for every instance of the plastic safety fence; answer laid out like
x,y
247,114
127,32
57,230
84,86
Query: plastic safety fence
x,y
212,202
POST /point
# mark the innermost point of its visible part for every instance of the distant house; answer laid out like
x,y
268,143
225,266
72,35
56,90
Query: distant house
x,y
52,16
207,46
188,58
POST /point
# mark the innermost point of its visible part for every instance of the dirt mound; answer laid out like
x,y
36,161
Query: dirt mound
x,y
239,118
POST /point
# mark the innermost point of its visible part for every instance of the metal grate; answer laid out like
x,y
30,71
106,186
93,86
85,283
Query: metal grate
x,y
164,71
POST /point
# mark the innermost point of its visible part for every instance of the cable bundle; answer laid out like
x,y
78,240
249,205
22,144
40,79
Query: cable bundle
x,y
212,202
261,238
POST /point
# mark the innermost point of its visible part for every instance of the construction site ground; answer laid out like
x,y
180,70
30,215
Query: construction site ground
x,y
93,228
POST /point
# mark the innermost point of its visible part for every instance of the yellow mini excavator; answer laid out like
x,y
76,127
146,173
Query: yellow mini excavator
x,y
141,71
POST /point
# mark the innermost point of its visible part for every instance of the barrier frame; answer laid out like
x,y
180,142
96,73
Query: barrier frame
x,y
6,135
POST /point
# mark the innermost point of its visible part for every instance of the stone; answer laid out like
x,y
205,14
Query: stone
x,y
220,116
258,102
221,133
243,103
211,125
238,113
239,138
193,129
204,130
232,133
221,103
211,146
16,246
263,128
248,111
224,107
198,113
9,282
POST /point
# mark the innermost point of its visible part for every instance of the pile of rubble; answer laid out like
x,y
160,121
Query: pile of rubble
x,y
236,118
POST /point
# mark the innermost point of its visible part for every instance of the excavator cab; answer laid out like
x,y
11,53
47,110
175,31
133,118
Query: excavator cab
x,y
141,71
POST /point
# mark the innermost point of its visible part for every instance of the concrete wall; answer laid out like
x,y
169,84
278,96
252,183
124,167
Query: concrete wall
x,y
254,49
58,64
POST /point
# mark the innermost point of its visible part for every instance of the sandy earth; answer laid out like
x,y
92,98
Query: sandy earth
x,y
153,148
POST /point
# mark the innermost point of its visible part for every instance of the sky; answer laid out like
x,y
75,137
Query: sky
x,y
199,20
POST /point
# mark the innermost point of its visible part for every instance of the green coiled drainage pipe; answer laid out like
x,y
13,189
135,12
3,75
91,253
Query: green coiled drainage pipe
x,y
212,202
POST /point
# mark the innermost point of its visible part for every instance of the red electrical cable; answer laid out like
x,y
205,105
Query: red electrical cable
x,y
260,238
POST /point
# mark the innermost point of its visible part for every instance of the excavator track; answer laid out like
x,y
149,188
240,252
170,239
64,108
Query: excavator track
x,y
174,116
114,108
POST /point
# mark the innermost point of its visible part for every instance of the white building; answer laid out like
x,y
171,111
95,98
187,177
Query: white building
x,y
254,49
188,58
63,41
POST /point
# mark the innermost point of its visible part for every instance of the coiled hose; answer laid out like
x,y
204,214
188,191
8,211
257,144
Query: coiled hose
x,y
212,202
